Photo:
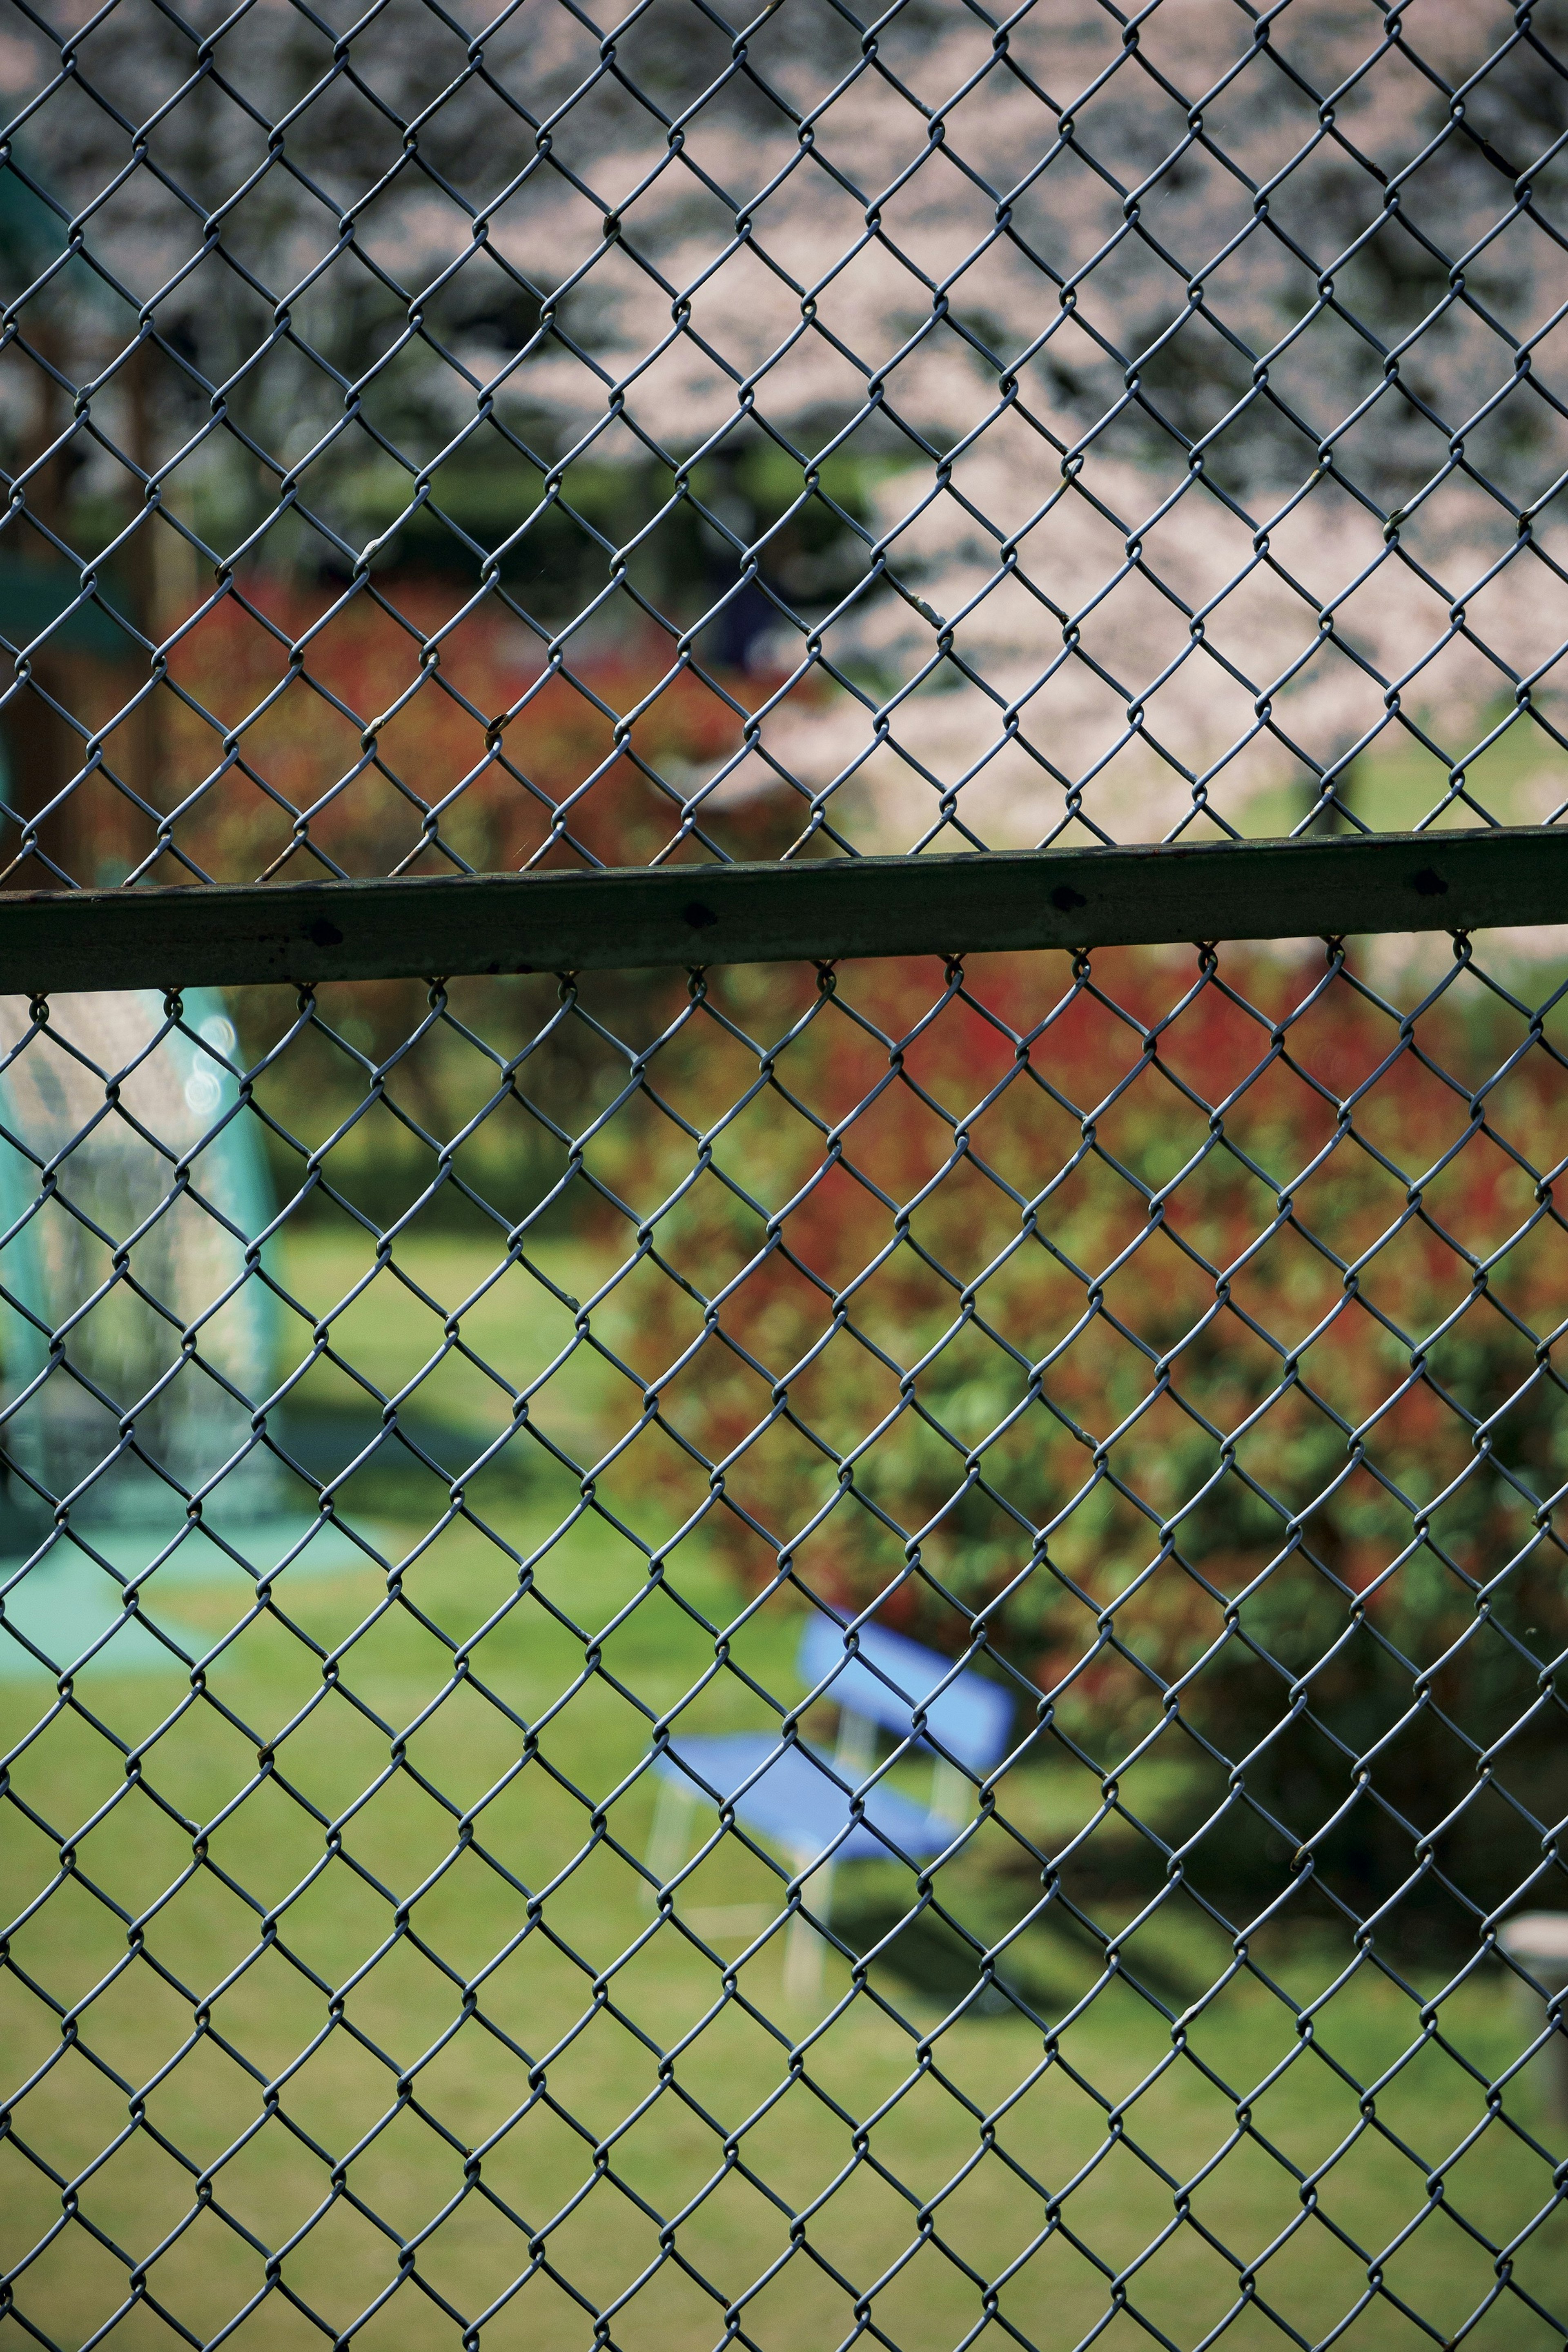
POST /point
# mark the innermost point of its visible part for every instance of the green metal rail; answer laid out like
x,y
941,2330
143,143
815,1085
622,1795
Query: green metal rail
x,y
685,915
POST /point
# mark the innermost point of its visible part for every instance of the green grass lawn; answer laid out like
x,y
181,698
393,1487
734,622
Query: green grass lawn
x,y
402,1996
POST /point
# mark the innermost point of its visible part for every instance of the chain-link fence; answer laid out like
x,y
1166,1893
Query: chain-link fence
x,y
877,1658
790,1659
803,1649
441,441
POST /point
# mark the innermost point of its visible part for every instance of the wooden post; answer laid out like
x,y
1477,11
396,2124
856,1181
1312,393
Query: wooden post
x,y
1537,1940
40,745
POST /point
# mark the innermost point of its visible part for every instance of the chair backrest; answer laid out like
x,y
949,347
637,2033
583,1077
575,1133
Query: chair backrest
x,y
891,1676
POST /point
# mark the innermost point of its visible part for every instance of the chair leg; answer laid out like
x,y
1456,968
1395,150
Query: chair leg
x,y
804,1947
670,1837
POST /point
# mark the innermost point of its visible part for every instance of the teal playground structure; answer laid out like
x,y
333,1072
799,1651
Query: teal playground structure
x,y
137,1324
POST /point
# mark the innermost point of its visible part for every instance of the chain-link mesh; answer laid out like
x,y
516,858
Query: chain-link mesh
x,y
444,439
787,1659
789,1656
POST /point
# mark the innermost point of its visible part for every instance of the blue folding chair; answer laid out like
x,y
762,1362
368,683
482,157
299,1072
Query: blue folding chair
x,y
800,1798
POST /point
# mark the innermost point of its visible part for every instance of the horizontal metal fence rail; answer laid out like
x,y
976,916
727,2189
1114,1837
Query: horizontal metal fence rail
x,y
315,931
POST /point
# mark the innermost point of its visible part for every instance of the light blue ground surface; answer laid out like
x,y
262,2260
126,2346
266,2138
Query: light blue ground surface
x,y
67,1602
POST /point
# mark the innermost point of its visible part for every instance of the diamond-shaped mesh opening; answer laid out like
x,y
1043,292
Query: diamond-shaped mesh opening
x,y
789,1654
